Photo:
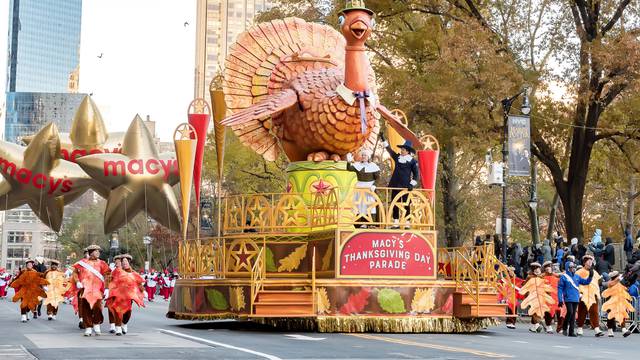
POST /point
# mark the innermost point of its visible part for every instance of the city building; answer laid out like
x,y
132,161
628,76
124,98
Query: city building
x,y
43,62
218,24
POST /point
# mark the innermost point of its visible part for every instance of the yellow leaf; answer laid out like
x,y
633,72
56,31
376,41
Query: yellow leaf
x,y
537,296
292,261
618,304
589,294
186,299
322,301
423,301
326,259
236,298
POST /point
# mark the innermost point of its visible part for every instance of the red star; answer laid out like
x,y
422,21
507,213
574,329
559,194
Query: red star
x,y
322,187
243,257
289,187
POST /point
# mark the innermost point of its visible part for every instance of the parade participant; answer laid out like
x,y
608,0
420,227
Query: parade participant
x,y
90,276
29,286
589,297
617,305
552,279
569,295
151,283
58,285
512,300
125,288
5,278
40,267
165,284
117,264
172,285
74,293
534,272
405,173
367,173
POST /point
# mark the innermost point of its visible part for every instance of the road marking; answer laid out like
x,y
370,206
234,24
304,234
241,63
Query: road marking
x,y
431,346
561,347
520,342
302,337
15,352
483,336
215,343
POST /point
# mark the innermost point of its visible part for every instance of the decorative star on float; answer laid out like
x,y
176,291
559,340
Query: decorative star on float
x,y
38,177
322,187
242,257
139,179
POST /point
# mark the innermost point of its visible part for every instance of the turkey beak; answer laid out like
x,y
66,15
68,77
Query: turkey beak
x,y
358,29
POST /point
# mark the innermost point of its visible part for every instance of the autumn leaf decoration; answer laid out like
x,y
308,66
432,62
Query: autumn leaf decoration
x,y
589,294
356,302
322,301
391,301
186,299
326,259
618,304
216,299
292,261
423,301
236,298
537,296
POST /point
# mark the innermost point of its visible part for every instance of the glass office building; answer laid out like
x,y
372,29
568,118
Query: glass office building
x,y
44,45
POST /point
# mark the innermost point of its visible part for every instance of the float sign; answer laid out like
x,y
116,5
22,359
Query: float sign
x,y
386,254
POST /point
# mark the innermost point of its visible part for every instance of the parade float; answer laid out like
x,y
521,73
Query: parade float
x,y
323,254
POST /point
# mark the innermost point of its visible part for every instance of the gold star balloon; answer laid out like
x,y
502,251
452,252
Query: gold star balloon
x,y
138,179
38,177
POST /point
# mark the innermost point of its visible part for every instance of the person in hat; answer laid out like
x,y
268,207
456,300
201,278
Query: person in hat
x,y
617,317
151,284
58,286
29,288
367,173
126,287
589,297
535,272
117,264
74,293
551,278
91,276
5,278
510,294
405,174
569,296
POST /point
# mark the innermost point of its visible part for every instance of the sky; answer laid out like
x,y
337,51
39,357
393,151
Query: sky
x,y
148,60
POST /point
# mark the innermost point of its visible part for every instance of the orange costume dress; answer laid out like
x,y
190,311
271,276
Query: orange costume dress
x,y
92,274
28,286
124,289
554,310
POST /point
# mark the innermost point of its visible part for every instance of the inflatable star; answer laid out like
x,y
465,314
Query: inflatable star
x,y
36,176
138,179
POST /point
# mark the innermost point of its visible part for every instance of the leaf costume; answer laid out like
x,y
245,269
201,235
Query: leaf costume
x,y
618,304
28,287
589,294
56,289
537,292
124,289
92,284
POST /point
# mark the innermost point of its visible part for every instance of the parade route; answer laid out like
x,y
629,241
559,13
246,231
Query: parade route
x,y
152,336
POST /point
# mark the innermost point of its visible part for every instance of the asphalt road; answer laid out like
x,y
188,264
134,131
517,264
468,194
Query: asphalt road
x,y
152,336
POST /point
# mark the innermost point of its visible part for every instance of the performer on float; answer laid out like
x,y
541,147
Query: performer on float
x,y
589,297
90,275
552,279
618,304
117,264
512,300
405,173
56,289
29,288
367,173
5,278
151,282
569,295
126,287
535,271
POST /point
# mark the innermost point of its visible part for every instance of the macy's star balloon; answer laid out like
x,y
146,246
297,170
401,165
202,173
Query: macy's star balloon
x,y
138,179
36,176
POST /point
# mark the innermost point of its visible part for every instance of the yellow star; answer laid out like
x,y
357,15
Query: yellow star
x,y
139,179
36,176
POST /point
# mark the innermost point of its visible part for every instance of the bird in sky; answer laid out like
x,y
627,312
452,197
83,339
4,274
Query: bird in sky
x,y
100,56
186,23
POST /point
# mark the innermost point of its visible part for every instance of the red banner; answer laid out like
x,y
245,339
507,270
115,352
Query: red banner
x,y
200,123
428,163
387,254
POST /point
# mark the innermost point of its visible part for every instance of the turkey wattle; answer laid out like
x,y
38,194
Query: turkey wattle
x,y
300,88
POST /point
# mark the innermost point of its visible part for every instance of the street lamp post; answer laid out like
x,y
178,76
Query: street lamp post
x,y
506,107
146,240
114,245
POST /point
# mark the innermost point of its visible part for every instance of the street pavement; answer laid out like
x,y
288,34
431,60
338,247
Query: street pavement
x,y
153,336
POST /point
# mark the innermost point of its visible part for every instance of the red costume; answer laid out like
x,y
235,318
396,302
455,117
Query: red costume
x,y
124,289
510,289
92,274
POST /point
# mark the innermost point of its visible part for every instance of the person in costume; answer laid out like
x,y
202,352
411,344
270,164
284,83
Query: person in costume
x,y
117,264
166,285
569,296
405,173
367,173
589,297
512,300
90,275
552,279
151,283
125,288
535,271
617,304
56,289
74,293
5,278
29,289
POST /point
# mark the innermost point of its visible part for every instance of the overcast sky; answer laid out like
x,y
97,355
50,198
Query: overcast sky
x,y
147,65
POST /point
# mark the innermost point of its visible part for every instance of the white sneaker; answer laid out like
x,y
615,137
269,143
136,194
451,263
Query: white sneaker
x,y
49,317
125,329
549,329
118,331
610,333
579,331
23,318
96,330
53,317
601,333
112,328
396,223
534,328
511,326
87,331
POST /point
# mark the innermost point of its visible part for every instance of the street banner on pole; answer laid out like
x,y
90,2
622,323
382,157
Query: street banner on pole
x,y
519,146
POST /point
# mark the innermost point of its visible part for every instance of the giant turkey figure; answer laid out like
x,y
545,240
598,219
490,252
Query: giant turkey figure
x,y
305,89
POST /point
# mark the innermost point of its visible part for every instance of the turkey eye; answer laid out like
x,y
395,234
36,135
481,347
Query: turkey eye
x,y
373,23
341,20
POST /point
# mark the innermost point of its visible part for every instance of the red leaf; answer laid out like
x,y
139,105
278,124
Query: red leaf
x,y
447,308
356,302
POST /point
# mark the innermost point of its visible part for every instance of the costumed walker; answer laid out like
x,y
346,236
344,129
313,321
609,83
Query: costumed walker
x,y
126,287
91,275
29,289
